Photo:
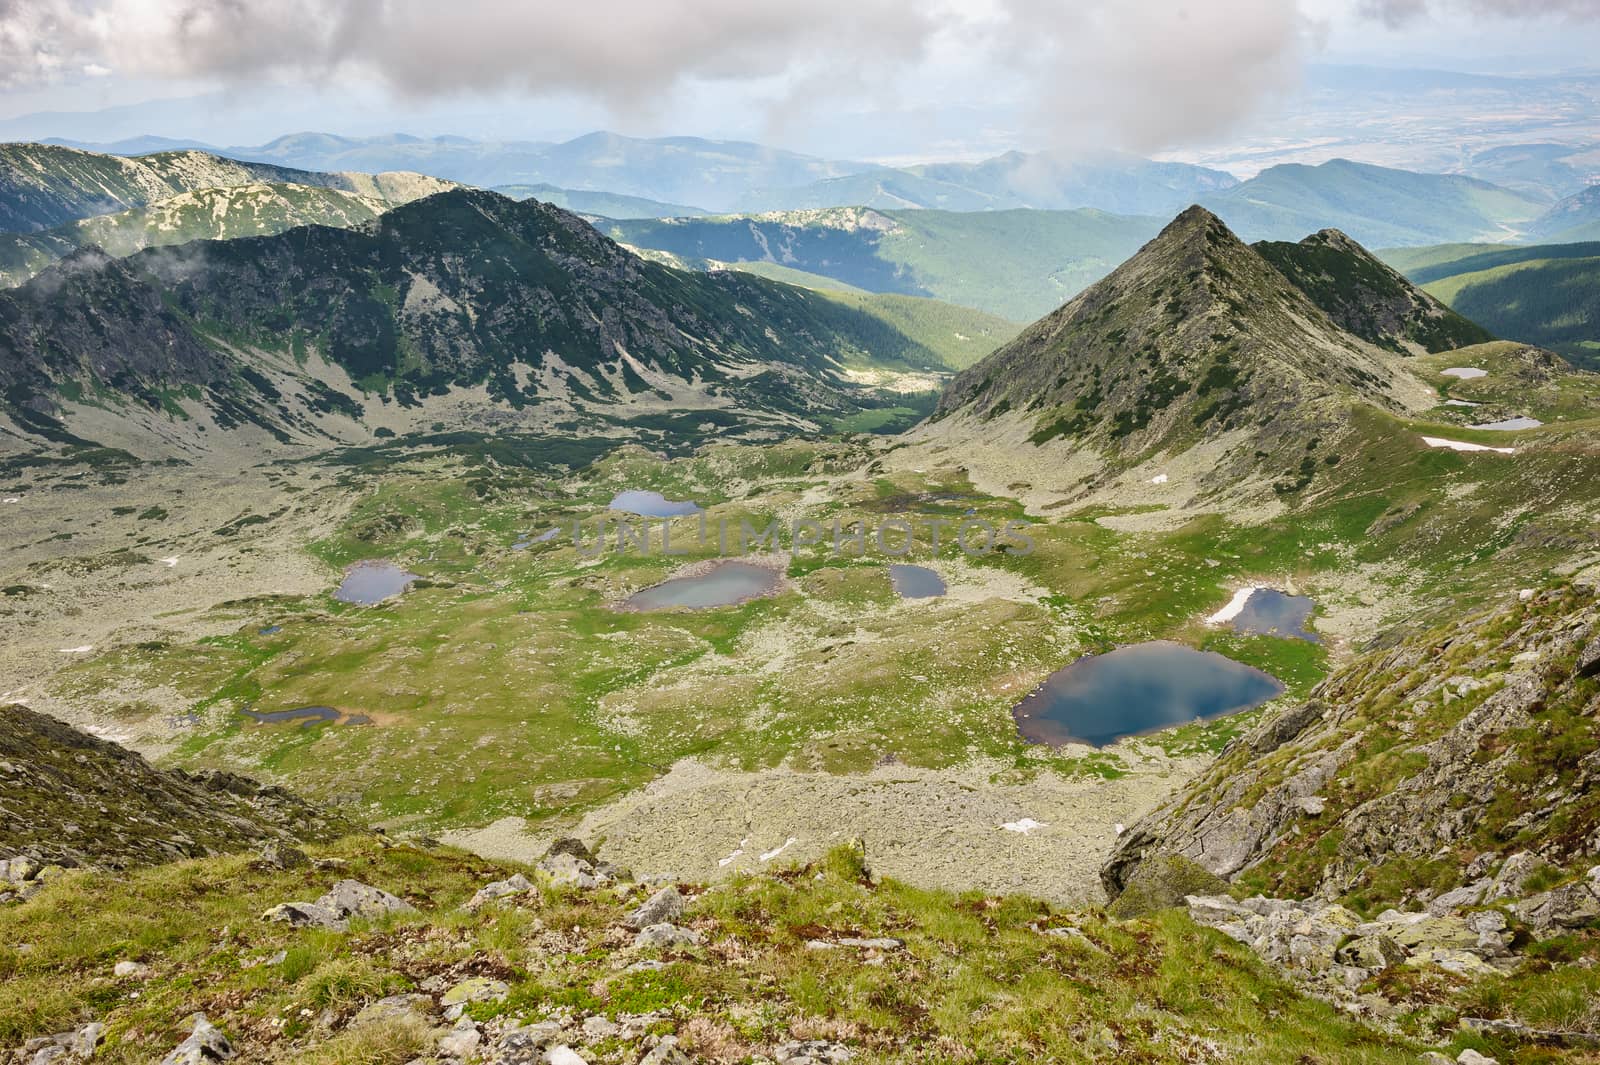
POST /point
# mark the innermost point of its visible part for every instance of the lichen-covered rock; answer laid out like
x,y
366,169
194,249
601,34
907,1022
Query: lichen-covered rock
x,y
665,906
1574,905
1164,882
204,1044
511,887
71,799
665,936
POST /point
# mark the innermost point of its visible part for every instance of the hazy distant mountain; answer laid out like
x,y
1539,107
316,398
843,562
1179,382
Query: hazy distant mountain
x,y
604,204
1575,218
1016,264
1376,206
708,174
1539,170
1121,184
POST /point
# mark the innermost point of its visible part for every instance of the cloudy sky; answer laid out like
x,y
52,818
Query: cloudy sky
x,y
1141,75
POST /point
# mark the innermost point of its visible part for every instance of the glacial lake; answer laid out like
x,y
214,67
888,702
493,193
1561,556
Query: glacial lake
x,y
916,582
724,584
652,505
369,583
1269,612
1510,425
1100,699
306,715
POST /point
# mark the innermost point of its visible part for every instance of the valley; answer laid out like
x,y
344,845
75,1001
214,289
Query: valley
x,y
448,534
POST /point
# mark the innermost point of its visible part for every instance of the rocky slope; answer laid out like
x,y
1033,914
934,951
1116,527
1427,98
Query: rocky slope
x,y
1196,337
68,798
205,214
413,953
43,186
1365,297
513,312
1444,769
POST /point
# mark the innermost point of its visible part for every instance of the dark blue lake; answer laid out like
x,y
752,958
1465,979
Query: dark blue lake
x,y
1100,699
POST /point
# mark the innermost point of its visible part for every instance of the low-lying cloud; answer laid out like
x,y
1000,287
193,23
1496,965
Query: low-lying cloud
x,y
1403,12
1135,74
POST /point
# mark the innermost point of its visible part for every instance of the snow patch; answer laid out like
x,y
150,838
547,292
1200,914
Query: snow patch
x,y
1235,606
791,841
1465,373
168,562
85,649
1024,826
1159,478
1462,445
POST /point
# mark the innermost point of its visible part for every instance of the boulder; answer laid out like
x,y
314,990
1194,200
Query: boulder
x,y
205,1044
347,899
665,906
473,989
275,857
811,1052
1574,905
500,889
352,898
1374,952
665,936
1162,882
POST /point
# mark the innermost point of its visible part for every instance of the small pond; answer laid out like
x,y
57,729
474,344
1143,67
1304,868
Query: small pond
x,y
1100,699
724,584
1269,612
306,716
916,582
1510,425
652,505
367,583
529,539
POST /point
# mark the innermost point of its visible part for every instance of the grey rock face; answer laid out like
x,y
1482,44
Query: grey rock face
x,y
1575,905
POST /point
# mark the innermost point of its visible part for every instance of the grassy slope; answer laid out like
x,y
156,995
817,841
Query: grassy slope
x,y
457,664
1554,303
959,335
975,977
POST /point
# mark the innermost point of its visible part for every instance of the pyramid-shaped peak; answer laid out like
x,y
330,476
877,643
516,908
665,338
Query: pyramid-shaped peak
x,y
1194,226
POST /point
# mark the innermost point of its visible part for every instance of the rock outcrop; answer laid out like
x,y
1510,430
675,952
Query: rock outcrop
x,y
1460,751
70,799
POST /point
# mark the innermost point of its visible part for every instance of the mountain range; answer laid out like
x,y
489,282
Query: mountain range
x,y
43,186
537,317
